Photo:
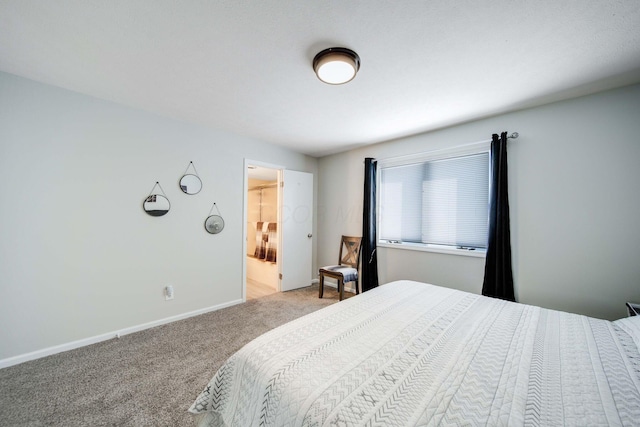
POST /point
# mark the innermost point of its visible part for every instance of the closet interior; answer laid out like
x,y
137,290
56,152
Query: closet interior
x,y
262,232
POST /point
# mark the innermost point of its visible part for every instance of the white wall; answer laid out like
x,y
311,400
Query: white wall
x,y
78,255
574,193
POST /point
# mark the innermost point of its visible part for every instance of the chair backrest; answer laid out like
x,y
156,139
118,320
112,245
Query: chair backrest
x,y
350,247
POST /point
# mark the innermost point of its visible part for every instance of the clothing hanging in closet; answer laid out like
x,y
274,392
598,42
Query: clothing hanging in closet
x,y
266,241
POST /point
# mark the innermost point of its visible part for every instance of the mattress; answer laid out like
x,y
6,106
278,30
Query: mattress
x,y
409,353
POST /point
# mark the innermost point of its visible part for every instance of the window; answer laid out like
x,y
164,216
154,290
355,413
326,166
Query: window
x,y
436,201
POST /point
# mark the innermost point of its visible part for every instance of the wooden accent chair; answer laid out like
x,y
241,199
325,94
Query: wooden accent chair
x,y
347,271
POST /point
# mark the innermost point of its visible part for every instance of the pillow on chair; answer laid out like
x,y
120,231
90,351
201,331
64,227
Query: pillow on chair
x,y
350,274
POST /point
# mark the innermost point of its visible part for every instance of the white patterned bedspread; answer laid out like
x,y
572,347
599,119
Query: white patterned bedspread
x,y
409,353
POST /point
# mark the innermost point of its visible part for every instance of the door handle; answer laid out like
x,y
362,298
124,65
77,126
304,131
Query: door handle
x,y
309,235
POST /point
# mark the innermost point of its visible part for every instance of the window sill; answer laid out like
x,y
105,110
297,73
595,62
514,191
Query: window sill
x,y
477,253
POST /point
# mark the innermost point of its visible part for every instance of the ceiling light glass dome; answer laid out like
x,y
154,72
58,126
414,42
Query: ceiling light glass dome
x,y
336,65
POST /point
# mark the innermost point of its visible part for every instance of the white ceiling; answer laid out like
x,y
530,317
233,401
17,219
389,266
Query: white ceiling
x,y
245,66
262,173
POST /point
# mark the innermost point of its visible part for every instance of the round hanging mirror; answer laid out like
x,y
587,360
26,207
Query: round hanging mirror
x,y
190,184
156,205
214,224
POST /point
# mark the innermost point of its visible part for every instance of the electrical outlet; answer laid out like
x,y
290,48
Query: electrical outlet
x,y
168,292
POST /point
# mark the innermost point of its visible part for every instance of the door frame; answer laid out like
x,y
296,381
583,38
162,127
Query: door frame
x,y
245,214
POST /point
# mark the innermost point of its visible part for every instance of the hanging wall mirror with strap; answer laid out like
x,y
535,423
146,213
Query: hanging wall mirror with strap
x,y
190,183
156,204
214,224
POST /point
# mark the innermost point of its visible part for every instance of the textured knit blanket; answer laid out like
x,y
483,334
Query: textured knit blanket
x,y
409,353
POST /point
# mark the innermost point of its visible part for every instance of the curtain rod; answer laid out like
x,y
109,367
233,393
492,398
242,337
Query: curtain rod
x,y
513,135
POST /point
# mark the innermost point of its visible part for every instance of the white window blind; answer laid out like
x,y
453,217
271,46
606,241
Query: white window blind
x,y
439,202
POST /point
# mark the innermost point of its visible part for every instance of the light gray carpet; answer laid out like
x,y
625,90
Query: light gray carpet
x,y
149,378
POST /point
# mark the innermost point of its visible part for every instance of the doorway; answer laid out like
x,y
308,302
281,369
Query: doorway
x,y
262,231
278,239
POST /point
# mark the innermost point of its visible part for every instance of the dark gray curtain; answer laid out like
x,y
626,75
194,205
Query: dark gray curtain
x,y
498,275
369,238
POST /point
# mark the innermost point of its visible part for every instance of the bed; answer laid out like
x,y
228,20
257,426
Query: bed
x,y
410,353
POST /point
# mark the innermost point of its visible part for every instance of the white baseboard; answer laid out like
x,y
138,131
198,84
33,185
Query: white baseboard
x,y
15,360
335,286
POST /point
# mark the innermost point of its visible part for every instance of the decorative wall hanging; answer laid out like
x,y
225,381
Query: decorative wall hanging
x,y
156,204
190,183
214,223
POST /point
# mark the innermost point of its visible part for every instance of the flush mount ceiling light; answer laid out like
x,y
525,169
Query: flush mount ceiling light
x,y
336,65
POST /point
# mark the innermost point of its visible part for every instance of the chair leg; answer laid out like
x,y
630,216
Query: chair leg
x,y
341,288
321,286
357,283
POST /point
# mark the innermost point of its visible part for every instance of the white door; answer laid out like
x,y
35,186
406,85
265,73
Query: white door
x,y
296,222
